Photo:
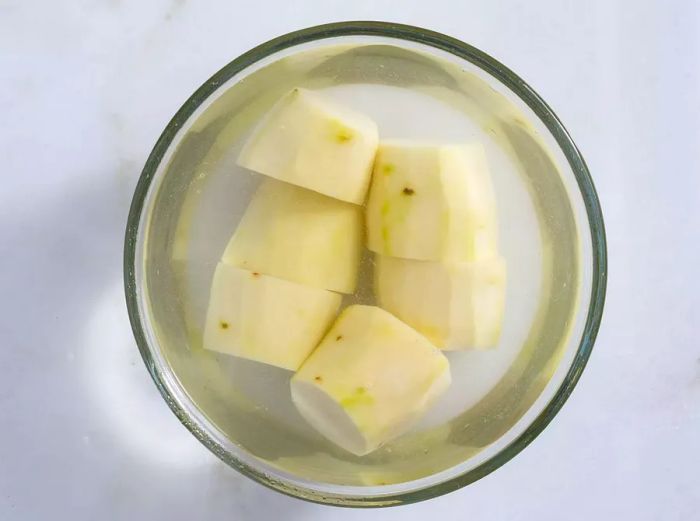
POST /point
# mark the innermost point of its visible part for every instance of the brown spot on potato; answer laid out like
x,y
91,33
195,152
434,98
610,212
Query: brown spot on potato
x,y
408,191
318,379
223,324
338,338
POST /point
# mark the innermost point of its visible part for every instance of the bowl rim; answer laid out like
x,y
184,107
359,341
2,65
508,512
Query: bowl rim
x,y
518,87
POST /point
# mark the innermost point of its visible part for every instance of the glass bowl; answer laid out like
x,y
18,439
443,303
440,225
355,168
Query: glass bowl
x,y
416,83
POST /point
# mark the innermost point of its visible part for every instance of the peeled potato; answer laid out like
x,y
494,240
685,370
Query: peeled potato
x,y
299,235
312,142
369,380
266,319
431,202
455,305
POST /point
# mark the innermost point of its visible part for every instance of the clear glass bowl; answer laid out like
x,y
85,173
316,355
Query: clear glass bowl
x,y
188,201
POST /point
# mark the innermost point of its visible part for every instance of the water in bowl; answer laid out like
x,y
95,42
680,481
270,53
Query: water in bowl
x,y
203,193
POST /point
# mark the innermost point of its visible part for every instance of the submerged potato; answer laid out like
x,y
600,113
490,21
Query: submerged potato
x,y
299,235
431,202
455,305
312,142
369,380
266,319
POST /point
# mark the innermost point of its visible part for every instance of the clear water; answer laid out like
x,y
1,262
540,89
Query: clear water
x,y
204,194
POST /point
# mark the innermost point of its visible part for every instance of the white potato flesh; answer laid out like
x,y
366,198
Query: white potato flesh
x,y
432,202
455,305
266,319
369,380
312,142
299,235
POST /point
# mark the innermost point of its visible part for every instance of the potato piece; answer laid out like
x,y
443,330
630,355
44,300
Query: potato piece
x,y
298,235
455,305
432,202
266,319
312,142
369,380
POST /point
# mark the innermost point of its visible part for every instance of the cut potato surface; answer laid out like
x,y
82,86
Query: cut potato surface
x,y
369,380
311,142
299,235
455,305
266,319
431,202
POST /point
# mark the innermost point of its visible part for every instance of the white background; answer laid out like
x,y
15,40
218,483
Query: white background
x,y
85,89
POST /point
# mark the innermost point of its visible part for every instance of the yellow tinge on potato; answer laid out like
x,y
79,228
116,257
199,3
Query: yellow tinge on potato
x,y
266,319
431,202
299,235
312,142
369,380
456,305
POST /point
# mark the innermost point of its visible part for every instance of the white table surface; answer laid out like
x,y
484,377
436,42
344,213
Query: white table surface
x,y
85,89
